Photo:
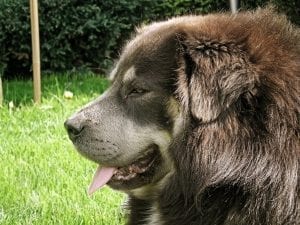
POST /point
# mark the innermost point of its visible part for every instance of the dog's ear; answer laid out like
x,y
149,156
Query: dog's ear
x,y
212,76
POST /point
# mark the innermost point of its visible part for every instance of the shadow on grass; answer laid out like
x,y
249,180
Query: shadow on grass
x,y
20,92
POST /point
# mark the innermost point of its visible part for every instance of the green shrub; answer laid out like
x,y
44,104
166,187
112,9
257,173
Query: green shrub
x,y
73,33
88,34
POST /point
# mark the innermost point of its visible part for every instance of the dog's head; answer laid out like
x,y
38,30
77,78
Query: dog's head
x,y
188,71
129,128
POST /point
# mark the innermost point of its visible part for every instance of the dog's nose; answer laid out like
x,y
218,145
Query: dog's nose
x,y
74,127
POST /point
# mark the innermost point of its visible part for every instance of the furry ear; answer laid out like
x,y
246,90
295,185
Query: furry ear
x,y
212,76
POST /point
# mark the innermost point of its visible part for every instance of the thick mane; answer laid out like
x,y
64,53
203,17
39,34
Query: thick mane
x,y
242,166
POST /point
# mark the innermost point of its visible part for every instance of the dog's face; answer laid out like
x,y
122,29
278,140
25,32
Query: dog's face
x,y
168,75
130,127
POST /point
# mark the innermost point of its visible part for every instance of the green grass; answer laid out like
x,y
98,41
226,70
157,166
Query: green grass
x,y
43,180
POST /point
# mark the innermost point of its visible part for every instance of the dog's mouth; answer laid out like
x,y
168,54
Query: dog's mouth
x,y
130,176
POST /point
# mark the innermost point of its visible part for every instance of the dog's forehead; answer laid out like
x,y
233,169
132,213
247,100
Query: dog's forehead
x,y
152,51
129,75
146,46
123,75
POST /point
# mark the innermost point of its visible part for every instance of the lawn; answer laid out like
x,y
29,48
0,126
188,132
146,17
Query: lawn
x,y
43,180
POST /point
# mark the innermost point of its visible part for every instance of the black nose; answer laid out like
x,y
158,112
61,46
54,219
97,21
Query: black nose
x,y
74,128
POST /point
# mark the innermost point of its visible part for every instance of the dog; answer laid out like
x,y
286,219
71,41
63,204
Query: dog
x,y
201,123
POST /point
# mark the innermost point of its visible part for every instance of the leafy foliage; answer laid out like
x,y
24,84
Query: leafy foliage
x,y
88,34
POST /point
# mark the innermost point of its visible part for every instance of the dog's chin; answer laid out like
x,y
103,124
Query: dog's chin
x,y
141,172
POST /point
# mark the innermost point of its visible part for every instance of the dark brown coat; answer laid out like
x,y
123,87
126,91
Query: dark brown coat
x,y
237,159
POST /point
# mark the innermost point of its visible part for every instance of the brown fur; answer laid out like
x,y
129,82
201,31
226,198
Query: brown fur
x,y
237,160
218,98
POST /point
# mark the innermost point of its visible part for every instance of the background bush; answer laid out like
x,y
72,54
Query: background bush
x,y
88,34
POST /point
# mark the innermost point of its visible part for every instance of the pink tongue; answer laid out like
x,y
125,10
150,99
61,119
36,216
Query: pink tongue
x,y
101,177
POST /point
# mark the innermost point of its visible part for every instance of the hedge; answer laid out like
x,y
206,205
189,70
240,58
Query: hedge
x,y
78,34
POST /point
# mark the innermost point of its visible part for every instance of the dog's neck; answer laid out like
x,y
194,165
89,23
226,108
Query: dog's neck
x,y
171,207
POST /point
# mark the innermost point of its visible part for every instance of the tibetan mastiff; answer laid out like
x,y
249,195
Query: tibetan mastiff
x,y
201,123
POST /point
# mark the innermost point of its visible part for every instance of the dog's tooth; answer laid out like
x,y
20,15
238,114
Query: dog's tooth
x,y
130,168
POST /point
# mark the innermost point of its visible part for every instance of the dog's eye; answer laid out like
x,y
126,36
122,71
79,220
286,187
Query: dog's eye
x,y
136,91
